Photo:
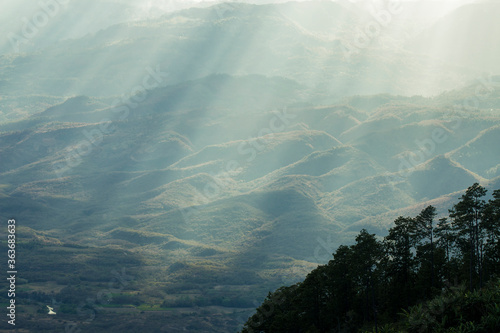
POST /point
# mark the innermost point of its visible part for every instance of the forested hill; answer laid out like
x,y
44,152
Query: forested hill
x,y
424,276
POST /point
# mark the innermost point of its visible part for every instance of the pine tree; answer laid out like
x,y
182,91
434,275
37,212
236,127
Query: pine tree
x,y
401,264
445,240
425,231
371,280
367,254
466,216
491,224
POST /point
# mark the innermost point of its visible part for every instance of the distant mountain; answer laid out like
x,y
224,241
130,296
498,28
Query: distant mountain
x,y
220,151
35,27
464,37
170,154
480,154
234,182
452,177
236,39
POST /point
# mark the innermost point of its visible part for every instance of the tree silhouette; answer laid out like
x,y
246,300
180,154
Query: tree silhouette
x,y
370,282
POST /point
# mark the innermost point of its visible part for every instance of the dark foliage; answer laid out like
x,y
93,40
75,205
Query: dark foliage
x,y
419,269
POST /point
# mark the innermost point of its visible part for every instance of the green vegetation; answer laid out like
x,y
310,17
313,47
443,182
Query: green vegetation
x,y
419,269
331,173
167,167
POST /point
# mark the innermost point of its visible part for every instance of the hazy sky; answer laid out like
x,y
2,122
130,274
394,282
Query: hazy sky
x,y
88,16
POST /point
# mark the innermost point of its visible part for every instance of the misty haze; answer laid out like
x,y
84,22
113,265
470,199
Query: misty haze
x,y
250,166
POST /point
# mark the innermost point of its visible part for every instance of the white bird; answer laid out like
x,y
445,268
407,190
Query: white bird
x,y
50,310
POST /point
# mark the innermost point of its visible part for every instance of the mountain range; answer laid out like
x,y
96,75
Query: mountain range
x,y
245,149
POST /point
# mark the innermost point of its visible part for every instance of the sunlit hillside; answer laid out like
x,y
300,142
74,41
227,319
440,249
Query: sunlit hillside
x,y
169,163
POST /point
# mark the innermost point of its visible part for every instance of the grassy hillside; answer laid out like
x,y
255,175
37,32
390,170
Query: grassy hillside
x,y
167,169
202,201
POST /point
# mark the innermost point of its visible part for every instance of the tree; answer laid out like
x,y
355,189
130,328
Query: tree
x,y
401,264
371,281
445,240
341,284
425,230
367,254
466,217
279,309
491,224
